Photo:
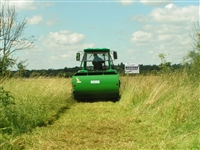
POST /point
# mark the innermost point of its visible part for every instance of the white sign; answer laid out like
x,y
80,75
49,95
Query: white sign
x,y
132,68
95,81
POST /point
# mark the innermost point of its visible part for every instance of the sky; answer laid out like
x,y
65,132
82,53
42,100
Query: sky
x,y
139,30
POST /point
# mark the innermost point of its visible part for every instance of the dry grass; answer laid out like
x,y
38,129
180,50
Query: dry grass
x,y
38,102
154,112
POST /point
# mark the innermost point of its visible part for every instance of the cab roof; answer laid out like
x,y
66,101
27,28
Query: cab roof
x,y
96,49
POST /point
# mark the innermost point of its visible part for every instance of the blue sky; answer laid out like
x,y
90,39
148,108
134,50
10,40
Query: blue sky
x,y
138,30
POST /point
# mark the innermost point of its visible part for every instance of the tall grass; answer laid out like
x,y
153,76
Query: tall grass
x,y
166,108
154,112
37,102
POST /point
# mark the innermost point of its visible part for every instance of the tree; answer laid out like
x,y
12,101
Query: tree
x,y
21,69
193,57
11,41
162,58
164,66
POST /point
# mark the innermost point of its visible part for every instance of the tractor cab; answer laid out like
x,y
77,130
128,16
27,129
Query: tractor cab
x,y
95,59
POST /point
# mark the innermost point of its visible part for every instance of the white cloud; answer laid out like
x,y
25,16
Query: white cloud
x,y
168,39
55,50
35,20
164,37
23,5
126,2
170,14
38,19
141,36
155,2
167,32
140,18
51,22
59,49
63,38
174,14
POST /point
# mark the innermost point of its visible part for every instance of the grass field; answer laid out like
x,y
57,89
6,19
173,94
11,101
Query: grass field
x,y
154,112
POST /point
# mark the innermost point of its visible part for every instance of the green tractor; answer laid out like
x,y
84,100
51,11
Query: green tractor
x,y
97,78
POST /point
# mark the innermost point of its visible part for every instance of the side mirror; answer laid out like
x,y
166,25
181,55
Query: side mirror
x,y
78,56
115,55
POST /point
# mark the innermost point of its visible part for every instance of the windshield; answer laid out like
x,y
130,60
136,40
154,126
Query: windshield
x,y
96,61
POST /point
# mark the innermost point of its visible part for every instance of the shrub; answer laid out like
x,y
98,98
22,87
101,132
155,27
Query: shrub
x,y
6,110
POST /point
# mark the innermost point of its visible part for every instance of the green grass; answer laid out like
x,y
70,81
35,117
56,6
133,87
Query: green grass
x,y
38,102
154,112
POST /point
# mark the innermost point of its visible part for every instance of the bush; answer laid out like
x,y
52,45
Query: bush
x,y
6,110
5,97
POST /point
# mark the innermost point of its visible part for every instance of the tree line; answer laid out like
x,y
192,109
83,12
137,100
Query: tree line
x,y
69,72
